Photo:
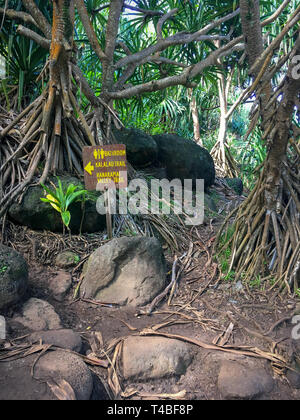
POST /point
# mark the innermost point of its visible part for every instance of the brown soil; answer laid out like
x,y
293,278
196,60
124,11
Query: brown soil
x,y
208,304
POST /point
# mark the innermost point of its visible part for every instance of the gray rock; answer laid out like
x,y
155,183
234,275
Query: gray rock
x,y
64,338
185,159
38,315
99,391
154,357
37,215
60,364
236,184
17,383
294,379
238,381
60,284
141,149
209,203
125,271
66,259
13,276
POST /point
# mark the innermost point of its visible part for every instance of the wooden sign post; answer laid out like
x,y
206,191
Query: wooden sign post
x,y
105,167
108,214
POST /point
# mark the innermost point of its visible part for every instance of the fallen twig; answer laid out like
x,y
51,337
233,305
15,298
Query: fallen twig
x,y
158,298
240,350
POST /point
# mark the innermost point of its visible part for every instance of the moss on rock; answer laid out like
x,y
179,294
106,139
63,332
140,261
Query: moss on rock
x,y
37,215
13,276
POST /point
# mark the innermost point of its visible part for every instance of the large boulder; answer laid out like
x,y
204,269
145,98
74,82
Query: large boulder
x,y
141,149
13,276
184,159
18,384
60,284
125,271
37,215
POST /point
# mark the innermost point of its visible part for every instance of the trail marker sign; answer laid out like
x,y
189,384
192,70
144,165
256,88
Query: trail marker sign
x,y
104,165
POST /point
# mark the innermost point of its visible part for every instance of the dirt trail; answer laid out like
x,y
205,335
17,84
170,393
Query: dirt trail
x,y
224,316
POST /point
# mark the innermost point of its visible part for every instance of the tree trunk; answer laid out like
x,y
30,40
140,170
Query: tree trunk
x,y
224,162
52,138
266,239
252,31
278,147
250,17
251,27
195,118
223,120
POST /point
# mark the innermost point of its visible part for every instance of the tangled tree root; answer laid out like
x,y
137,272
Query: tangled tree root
x,y
50,140
265,240
266,244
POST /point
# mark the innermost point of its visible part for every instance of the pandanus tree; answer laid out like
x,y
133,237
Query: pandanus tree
x,y
224,162
267,233
266,237
50,124
55,129
23,60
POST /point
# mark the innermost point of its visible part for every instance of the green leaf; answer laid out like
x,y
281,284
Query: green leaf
x,y
74,196
61,195
71,188
66,217
53,202
49,191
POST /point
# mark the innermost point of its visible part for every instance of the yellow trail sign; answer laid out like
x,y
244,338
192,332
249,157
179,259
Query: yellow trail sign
x,y
89,168
104,165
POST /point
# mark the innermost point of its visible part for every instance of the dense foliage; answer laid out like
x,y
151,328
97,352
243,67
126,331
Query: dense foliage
x,y
218,71
157,112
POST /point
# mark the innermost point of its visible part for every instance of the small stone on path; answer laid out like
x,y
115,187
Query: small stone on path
x,y
238,381
154,357
38,315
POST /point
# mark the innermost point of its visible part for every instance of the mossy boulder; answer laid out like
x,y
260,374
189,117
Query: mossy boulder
x,y
13,276
141,149
37,215
185,159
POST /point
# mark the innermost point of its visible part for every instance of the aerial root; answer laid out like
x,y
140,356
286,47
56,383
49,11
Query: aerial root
x,y
266,243
50,141
224,161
